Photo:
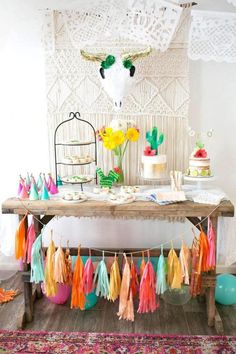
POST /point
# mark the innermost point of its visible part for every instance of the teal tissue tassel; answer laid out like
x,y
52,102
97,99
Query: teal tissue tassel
x,y
37,270
161,285
102,288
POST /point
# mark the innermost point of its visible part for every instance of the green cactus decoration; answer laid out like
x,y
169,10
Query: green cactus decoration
x,y
153,139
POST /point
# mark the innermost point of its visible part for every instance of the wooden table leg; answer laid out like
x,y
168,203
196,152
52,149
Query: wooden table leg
x,y
28,295
211,310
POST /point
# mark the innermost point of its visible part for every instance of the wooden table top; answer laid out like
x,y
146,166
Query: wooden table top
x,y
138,209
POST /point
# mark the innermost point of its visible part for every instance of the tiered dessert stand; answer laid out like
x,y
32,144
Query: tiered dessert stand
x,y
75,143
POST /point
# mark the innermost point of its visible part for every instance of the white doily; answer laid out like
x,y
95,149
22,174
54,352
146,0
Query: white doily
x,y
233,2
147,22
213,36
151,22
87,25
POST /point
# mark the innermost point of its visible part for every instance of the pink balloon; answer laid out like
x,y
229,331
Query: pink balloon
x,y
61,296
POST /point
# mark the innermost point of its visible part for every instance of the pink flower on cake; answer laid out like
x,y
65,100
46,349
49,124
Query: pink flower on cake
x,y
149,152
201,153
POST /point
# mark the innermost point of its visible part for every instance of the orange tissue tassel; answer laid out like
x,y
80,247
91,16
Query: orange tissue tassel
x,y
20,239
78,298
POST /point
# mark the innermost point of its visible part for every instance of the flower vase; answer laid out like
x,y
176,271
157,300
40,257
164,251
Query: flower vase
x,y
119,169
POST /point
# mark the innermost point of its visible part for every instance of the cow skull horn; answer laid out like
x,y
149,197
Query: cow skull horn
x,y
136,55
93,56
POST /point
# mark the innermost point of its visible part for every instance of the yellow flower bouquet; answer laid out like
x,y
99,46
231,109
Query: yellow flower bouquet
x,y
116,138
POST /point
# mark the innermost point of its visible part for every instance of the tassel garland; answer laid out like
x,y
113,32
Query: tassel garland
x,y
134,279
59,266
87,281
78,298
161,285
147,293
184,257
195,285
101,276
50,283
174,270
37,270
126,306
211,257
20,239
185,269
68,263
115,280
30,238
142,265
204,249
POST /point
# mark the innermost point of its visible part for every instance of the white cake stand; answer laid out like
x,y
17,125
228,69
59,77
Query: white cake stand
x,y
199,180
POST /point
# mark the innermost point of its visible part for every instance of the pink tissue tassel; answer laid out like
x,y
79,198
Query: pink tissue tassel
x,y
211,257
87,281
147,292
30,238
126,306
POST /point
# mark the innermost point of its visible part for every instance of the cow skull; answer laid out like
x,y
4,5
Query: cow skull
x,y
116,72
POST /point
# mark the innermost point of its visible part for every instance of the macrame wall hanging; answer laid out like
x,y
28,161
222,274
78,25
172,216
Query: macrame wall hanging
x,y
213,36
160,97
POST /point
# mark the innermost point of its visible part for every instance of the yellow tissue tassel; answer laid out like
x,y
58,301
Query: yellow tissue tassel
x,y
174,270
78,297
50,284
115,281
20,239
59,266
185,257
126,307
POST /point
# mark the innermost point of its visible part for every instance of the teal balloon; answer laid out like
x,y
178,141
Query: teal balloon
x,y
91,298
226,289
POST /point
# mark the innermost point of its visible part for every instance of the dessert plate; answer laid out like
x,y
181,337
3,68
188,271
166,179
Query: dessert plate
x,y
74,201
122,200
75,179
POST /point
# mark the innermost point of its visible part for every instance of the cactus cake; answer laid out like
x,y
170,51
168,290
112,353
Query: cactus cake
x,y
153,163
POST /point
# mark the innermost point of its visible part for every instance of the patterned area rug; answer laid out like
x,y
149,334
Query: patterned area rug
x,y
102,343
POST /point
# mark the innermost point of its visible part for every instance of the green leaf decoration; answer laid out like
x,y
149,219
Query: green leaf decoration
x,y
110,60
127,63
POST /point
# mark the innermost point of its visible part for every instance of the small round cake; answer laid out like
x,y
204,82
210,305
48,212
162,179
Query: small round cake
x,y
199,163
153,166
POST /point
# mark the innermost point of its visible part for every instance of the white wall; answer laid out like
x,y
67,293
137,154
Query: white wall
x,y
23,129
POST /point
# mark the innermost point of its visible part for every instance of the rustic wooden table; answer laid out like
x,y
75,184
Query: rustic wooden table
x,y
195,213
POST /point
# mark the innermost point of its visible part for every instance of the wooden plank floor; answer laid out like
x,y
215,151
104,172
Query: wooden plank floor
x,y
188,319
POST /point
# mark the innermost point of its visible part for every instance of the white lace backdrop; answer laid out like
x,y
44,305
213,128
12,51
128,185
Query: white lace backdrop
x,y
160,96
